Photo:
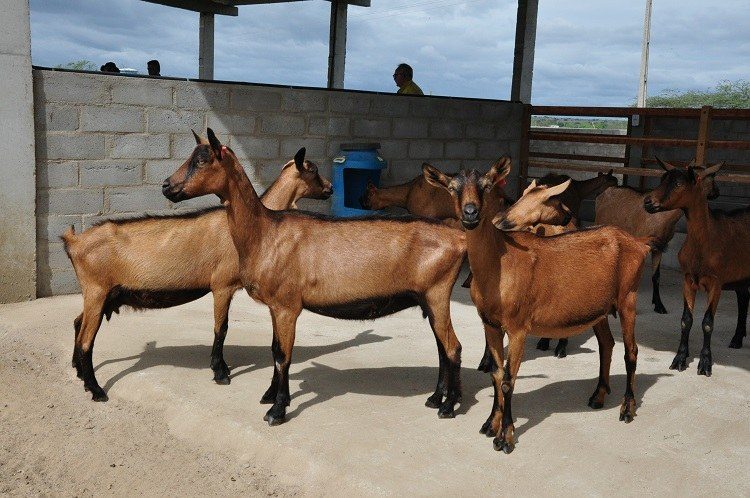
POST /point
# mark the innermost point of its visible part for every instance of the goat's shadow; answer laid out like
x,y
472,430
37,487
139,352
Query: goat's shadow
x,y
568,396
242,359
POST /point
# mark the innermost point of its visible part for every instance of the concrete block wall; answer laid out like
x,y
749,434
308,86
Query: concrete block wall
x,y
105,143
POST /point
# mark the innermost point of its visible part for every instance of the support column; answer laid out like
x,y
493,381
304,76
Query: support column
x,y
523,58
206,47
18,166
337,44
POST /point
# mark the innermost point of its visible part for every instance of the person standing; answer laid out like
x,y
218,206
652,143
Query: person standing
x,y
403,77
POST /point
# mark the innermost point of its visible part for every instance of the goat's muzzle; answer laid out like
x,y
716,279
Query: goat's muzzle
x,y
470,216
173,193
506,225
650,206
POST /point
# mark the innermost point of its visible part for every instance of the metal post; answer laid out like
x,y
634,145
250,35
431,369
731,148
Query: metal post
x,y
641,102
337,44
523,57
206,47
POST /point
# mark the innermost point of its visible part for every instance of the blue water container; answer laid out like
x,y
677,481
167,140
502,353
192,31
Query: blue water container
x,y
355,165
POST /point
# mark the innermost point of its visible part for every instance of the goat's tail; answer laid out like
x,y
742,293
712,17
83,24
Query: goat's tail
x,y
68,238
652,242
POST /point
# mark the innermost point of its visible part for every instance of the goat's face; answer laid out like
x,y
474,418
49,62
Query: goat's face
x,y
608,180
306,178
679,186
204,172
467,189
538,204
370,199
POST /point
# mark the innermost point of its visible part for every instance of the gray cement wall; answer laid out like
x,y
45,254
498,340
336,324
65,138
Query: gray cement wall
x,y
17,229
105,143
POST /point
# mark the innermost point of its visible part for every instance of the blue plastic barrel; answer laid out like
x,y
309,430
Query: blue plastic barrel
x,y
353,167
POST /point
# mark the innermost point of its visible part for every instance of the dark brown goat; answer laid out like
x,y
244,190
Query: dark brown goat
x,y
352,269
525,284
159,262
623,207
713,257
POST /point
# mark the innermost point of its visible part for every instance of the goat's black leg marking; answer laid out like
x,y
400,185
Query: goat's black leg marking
x,y
743,297
487,425
680,359
543,344
705,362
441,389
277,413
76,361
656,298
453,381
561,351
270,395
487,363
89,379
218,365
501,442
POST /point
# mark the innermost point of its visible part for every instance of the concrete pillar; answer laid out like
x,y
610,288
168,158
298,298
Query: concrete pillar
x,y
206,46
337,44
523,58
18,165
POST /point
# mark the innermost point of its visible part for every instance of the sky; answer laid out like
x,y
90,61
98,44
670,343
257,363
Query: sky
x,y
587,51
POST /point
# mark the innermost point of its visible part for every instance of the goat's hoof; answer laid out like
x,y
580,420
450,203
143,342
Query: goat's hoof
x,y
434,401
736,342
659,308
275,418
561,351
627,410
487,429
97,394
704,365
222,381
543,344
679,363
593,403
502,445
446,412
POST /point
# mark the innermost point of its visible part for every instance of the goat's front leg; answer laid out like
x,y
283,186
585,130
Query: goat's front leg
x,y
713,287
627,309
505,441
222,299
284,328
688,293
743,298
494,340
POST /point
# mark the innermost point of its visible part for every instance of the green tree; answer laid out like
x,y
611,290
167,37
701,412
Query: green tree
x,y
81,65
727,94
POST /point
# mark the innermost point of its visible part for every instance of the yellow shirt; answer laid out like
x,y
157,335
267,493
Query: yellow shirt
x,y
410,88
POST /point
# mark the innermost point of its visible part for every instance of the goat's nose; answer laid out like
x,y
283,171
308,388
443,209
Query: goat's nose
x,y
165,186
470,211
506,225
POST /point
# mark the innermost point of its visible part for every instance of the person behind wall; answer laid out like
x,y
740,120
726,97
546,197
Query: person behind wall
x,y
154,68
109,67
403,77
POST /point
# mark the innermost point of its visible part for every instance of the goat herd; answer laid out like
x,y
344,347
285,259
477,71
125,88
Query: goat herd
x,y
523,281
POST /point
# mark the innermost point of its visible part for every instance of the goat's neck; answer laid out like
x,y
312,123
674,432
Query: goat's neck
x,y
484,246
394,196
699,222
245,213
282,194
588,187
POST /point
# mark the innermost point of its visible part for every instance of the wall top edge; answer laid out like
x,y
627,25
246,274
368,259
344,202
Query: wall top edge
x,y
270,85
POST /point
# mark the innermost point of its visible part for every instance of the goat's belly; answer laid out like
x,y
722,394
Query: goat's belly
x,y
366,308
566,324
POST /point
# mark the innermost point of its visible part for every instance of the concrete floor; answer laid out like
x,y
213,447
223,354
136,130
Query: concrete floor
x,y
357,421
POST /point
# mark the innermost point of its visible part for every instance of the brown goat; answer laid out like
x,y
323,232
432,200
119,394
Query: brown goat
x,y
422,199
579,190
525,284
623,207
713,257
356,269
159,262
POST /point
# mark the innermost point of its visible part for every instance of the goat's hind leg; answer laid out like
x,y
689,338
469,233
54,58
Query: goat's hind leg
x,y
76,362
606,344
655,278
743,297
93,305
222,300
627,321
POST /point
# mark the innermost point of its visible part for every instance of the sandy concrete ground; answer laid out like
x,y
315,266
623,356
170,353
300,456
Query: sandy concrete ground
x,y
357,422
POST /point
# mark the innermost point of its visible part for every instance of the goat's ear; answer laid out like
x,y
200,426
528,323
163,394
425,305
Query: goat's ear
x,y
557,189
498,171
198,139
711,170
531,187
214,142
299,159
434,176
665,166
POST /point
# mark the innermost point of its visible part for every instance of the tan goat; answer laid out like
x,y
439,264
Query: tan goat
x,y
164,261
